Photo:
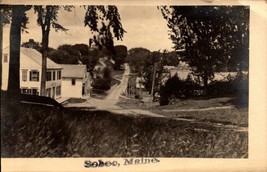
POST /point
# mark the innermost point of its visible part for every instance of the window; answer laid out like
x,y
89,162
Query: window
x,y
58,75
48,92
54,75
32,91
25,91
48,76
58,91
24,74
5,58
34,75
72,81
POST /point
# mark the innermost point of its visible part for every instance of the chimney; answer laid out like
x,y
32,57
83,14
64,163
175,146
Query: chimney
x,y
31,43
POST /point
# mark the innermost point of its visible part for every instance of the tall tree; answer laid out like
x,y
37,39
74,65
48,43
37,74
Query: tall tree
x,y
120,56
137,58
47,17
18,24
212,36
106,22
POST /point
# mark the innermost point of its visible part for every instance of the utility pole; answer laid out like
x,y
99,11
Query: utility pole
x,y
153,80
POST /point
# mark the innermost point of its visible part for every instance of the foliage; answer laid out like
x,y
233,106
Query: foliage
x,y
178,88
237,87
120,56
148,63
104,20
62,57
214,37
137,58
5,11
103,83
170,58
47,18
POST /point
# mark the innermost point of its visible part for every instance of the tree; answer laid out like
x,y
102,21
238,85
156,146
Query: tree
x,y
214,38
47,18
18,24
170,58
137,58
103,83
170,89
150,65
120,56
62,57
108,18
153,70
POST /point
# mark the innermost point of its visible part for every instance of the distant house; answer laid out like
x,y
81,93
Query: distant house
x,y
103,63
30,73
75,81
139,87
182,71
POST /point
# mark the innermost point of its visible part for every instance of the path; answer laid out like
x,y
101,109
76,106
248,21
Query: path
x,y
111,100
198,109
116,91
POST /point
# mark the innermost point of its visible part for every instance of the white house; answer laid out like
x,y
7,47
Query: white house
x,y
75,81
30,73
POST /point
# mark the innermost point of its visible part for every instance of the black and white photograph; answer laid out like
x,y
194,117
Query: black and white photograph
x,y
134,82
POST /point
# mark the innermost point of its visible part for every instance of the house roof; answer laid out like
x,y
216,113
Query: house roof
x,y
37,57
73,71
139,82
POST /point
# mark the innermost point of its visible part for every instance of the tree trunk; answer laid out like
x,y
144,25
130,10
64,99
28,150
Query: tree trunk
x,y
205,82
1,44
44,61
14,62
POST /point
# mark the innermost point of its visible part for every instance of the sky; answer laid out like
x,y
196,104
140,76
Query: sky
x,y
144,25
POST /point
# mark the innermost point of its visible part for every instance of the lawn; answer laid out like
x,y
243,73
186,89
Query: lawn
x,y
231,115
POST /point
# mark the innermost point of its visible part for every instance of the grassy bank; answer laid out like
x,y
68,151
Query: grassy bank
x,y
106,134
33,131
233,116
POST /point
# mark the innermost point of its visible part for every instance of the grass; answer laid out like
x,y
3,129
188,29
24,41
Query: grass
x,y
35,131
234,116
76,100
199,103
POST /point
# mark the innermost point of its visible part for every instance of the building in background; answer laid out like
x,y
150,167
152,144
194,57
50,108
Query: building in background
x,y
75,81
30,73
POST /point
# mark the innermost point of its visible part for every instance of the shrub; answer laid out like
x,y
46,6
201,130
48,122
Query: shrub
x,y
178,88
233,87
103,83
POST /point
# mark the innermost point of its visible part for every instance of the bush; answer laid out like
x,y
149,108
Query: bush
x,y
103,83
237,87
178,88
234,87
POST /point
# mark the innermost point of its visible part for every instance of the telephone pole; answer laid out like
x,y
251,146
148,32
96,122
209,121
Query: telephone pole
x,y
153,80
